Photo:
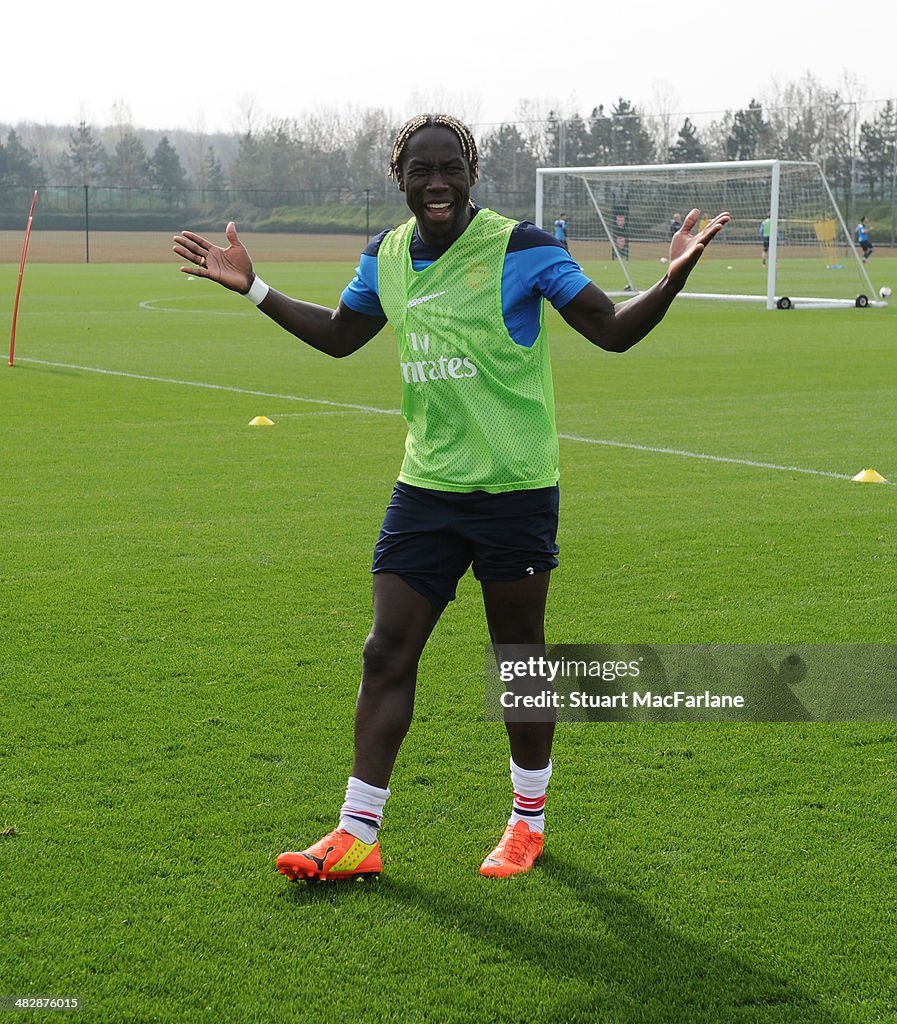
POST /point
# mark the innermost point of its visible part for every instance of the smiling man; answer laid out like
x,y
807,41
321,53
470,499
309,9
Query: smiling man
x,y
463,289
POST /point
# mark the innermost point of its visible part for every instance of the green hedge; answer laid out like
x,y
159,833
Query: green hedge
x,y
331,219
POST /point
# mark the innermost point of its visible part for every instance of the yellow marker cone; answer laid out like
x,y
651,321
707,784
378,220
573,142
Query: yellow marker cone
x,y
869,476
261,421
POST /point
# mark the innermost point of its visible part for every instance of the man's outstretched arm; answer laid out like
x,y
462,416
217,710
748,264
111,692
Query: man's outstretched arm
x,y
617,328
336,332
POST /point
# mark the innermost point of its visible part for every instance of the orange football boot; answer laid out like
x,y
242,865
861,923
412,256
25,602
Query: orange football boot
x,y
338,855
517,851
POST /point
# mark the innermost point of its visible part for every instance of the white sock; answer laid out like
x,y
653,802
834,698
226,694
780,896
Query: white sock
x,y
529,795
362,812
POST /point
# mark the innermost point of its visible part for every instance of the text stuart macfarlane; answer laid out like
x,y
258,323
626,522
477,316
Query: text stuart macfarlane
x,y
632,699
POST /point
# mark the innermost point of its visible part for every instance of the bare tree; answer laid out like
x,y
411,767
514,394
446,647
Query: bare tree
x,y
661,122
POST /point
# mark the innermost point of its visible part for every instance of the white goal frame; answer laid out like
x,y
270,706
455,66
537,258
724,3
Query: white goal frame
x,y
772,299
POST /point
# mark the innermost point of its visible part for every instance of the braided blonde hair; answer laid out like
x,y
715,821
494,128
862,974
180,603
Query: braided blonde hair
x,y
464,134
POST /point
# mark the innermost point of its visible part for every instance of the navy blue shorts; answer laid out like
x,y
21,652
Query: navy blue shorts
x,y
431,538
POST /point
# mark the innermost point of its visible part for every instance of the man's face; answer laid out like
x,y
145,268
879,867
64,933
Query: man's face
x,y
435,177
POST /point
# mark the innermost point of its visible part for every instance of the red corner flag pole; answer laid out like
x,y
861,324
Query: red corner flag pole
x,y
15,308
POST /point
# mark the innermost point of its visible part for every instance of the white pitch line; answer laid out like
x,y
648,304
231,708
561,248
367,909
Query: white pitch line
x,y
327,412
214,387
350,406
709,458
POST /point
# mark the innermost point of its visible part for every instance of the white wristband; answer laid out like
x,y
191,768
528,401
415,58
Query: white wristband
x,y
257,292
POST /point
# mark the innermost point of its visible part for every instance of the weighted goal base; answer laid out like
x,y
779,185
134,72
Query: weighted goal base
x,y
783,302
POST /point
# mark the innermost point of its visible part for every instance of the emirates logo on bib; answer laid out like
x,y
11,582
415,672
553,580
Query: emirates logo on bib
x,y
419,371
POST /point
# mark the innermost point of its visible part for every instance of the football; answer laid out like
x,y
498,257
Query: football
x,y
884,291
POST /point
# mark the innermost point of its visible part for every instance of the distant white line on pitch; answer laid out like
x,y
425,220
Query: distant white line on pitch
x,y
150,306
649,449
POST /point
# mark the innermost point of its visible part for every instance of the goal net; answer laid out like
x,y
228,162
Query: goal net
x,y
787,245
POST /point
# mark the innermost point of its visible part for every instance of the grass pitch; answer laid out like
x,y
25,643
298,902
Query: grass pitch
x,y
184,600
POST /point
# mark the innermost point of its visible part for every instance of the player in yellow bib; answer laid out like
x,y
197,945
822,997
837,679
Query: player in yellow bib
x,y
463,289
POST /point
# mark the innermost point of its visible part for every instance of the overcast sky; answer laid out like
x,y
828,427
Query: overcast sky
x,y
209,65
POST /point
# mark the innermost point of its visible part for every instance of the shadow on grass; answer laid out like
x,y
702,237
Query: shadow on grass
x,y
664,975
25,364
625,965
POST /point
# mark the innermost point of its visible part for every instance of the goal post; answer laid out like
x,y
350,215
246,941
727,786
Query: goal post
x,y
787,245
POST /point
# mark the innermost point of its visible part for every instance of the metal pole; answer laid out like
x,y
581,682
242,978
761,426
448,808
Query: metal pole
x,y
894,190
539,198
87,223
772,255
851,206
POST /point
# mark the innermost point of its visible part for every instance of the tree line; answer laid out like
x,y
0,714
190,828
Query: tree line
x,y
328,157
